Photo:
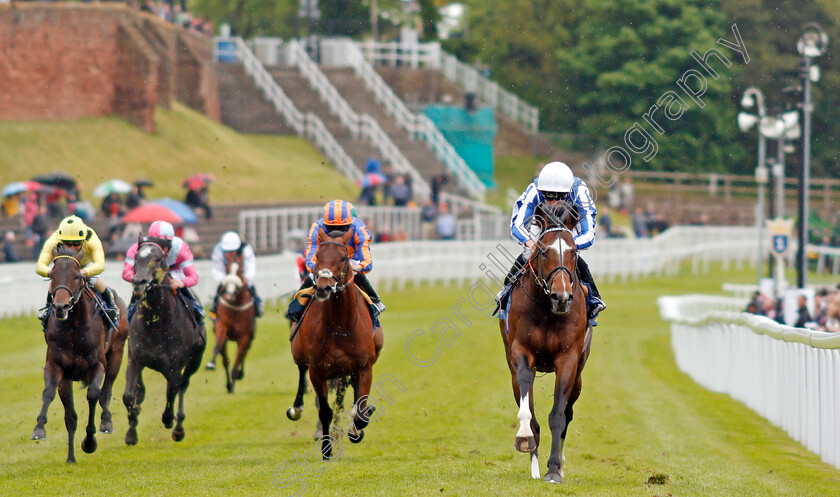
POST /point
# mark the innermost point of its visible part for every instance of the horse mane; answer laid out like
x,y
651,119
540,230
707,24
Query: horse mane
x,y
62,249
559,215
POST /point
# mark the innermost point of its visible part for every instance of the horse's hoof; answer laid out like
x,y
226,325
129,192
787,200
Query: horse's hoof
x,y
106,427
230,387
89,445
39,434
168,421
326,449
292,413
356,437
178,434
553,477
131,437
525,444
211,366
71,460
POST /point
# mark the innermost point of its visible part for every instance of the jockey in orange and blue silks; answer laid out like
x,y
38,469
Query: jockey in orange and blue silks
x,y
556,183
339,216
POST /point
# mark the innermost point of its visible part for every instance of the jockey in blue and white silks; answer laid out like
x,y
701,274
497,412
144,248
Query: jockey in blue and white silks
x,y
556,183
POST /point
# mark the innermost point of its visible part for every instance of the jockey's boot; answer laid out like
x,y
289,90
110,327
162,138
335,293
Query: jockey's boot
x,y
132,307
215,306
517,265
258,303
111,309
362,282
45,312
594,303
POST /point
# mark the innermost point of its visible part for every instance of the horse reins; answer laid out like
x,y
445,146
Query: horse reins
x,y
545,282
340,288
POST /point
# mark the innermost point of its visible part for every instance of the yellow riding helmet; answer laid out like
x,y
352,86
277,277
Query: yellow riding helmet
x,y
72,229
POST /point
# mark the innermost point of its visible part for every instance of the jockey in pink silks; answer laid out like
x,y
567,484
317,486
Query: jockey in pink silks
x,y
179,259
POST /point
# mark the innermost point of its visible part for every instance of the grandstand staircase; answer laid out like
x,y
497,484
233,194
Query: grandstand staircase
x,y
306,99
353,89
243,106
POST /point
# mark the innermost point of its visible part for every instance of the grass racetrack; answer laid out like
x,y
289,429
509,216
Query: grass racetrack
x,y
450,432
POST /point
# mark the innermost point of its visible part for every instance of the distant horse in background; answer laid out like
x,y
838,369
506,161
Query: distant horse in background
x,y
236,319
549,332
80,347
164,337
336,339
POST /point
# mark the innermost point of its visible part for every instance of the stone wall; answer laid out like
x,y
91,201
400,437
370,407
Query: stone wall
x,y
63,61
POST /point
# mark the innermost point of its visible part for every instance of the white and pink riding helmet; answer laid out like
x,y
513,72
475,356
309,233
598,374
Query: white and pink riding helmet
x,y
161,229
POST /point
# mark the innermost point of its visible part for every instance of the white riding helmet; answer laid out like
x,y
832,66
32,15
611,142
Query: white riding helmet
x,y
556,177
231,241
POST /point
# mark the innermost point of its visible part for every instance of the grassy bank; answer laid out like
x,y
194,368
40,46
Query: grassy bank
x,y
247,167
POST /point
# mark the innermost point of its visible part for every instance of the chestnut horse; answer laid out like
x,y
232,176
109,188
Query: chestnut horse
x,y
549,332
80,347
164,337
236,319
336,339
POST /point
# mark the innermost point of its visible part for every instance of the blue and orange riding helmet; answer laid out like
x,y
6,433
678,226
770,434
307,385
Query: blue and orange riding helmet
x,y
338,213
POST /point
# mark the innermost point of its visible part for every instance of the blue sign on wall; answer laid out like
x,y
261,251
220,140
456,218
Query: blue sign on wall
x,y
471,135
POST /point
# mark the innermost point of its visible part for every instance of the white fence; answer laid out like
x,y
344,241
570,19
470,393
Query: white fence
x,y
791,376
419,262
430,55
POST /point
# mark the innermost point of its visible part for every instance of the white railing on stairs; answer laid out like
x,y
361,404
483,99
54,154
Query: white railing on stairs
x,y
307,125
359,125
431,55
791,376
416,125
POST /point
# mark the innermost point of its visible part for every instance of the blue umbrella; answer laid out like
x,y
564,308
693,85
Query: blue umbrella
x,y
18,187
183,210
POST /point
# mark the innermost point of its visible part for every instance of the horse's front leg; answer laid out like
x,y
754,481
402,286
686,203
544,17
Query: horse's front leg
x,y
566,382
65,392
133,396
173,385
294,413
243,345
52,377
220,330
325,414
362,412
94,391
525,440
112,369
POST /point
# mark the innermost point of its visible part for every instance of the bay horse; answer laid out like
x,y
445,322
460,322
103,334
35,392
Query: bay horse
x,y
236,318
80,347
549,332
336,339
163,336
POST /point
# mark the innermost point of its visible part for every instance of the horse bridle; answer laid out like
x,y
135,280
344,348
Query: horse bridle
x,y
74,296
326,273
545,282
155,282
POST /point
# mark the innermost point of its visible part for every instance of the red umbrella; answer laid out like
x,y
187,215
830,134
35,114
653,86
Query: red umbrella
x,y
199,180
151,212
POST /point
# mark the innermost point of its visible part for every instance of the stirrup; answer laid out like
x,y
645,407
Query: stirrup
x,y
598,306
380,307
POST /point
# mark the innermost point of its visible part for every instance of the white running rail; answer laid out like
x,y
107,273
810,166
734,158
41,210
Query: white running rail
x,y
307,125
791,376
431,55
359,125
399,263
416,125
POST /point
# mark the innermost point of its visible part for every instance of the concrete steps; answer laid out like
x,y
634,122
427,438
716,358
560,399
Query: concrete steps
x,y
307,99
243,105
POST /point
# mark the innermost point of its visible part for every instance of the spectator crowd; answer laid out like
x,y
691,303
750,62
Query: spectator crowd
x,y
826,315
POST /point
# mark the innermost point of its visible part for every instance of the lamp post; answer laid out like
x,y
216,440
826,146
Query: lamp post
x,y
754,97
813,43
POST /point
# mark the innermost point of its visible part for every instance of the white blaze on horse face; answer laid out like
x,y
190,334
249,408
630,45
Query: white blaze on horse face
x,y
524,418
144,251
561,247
